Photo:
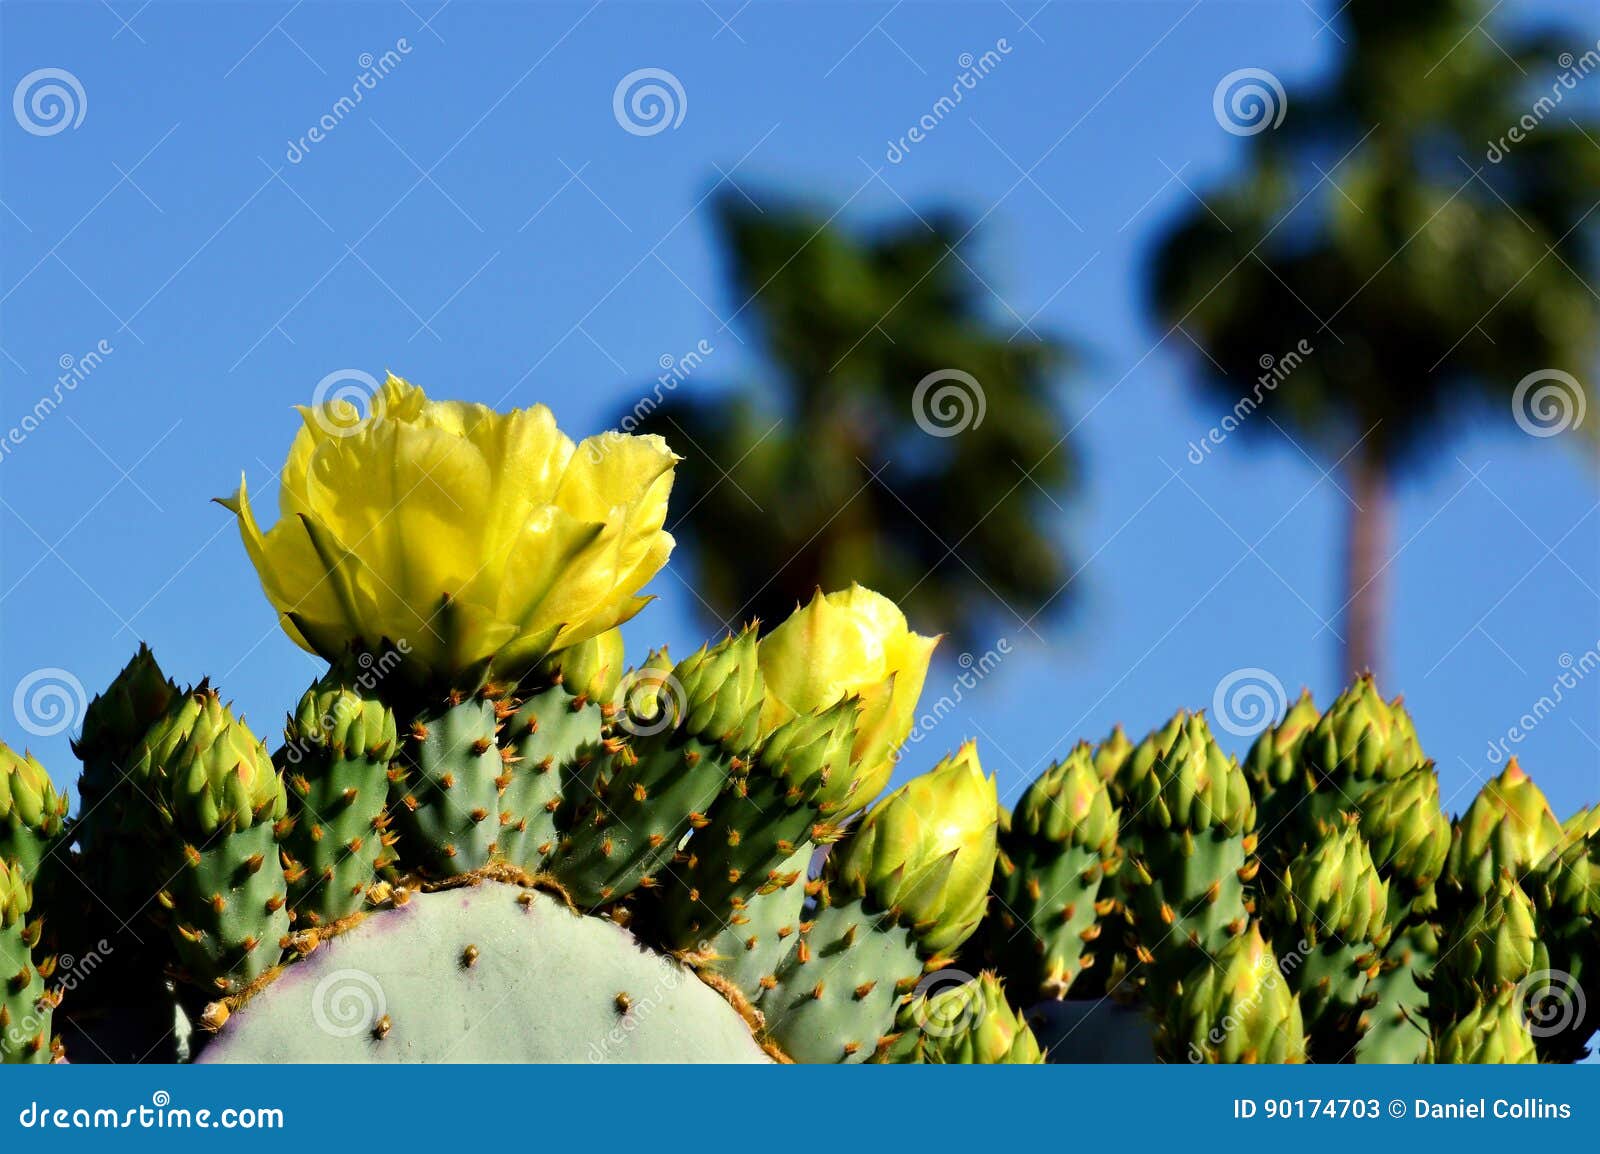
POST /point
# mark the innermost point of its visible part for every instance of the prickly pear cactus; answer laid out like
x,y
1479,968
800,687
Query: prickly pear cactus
x,y
482,840
485,973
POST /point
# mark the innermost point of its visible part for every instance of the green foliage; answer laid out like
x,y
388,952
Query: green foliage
x,y
830,432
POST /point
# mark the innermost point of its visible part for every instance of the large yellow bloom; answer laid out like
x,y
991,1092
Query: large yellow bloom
x,y
477,542
853,643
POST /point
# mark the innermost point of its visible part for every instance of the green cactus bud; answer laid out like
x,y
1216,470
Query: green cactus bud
x,y
1055,852
723,692
759,821
1188,827
1274,759
927,852
332,715
1566,893
1068,805
118,718
591,670
1236,1007
1334,890
16,894
218,775
1491,1033
1495,947
31,812
339,746
1508,827
1330,920
1112,753
811,756
1191,783
972,1024
1407,830
1132,774
222,891
1362,740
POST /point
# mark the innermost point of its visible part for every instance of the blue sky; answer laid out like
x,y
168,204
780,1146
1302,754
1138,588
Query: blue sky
x,y
483,225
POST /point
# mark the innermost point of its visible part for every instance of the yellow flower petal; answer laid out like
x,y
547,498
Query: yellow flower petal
x,y
486,540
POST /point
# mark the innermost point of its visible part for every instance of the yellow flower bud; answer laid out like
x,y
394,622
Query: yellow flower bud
x,y
853,643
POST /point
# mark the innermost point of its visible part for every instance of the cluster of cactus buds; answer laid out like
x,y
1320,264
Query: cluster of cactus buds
x,y
478,810
1313,902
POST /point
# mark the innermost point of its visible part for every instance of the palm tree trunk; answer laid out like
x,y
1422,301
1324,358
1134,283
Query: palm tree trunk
x,y
1367,554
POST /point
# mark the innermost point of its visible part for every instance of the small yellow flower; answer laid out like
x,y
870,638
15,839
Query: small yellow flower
x,y
477,542
850,643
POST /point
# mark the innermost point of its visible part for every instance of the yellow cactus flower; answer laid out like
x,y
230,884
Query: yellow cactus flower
x,y
851,643
475,542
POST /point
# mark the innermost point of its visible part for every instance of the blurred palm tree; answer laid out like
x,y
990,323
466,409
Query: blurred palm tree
x,y
840,464
1430,257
